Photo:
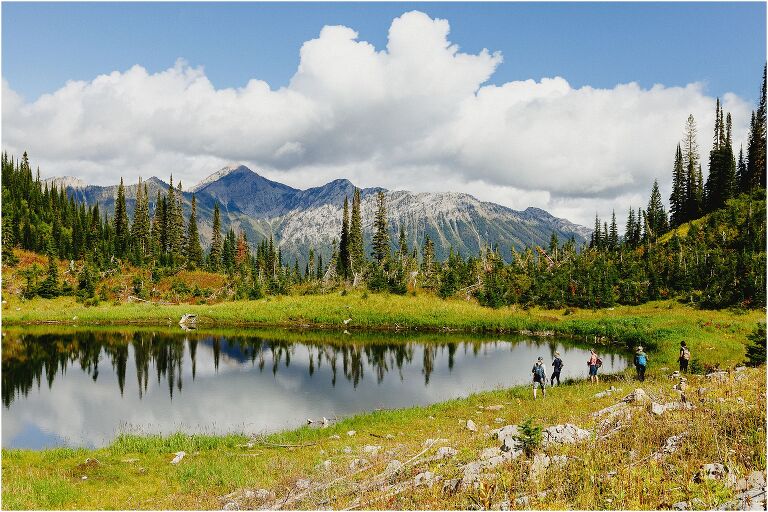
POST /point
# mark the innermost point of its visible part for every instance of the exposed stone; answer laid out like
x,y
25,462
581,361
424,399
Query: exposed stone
x,y
371,449
303,483
541,462
718,376
425,479
446,452
715,471
232,506
659,409
347,449
471,426
638,395
390,436
451,486
751,499
494,408
671,445
498,420
335,437
607,392
563,434
350,433
325,465
431,441
739,369
694,504
357,464
487,453
393,467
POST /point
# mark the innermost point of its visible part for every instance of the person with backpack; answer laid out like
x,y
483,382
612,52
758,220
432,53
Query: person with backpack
x,y
641,361
557,365
594,363
685,357
539,377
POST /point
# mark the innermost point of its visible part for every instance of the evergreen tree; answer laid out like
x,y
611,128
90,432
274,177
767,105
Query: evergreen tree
x,y
214,257
343,261
141,229
756,145
742,178
402,245
381,233
49,288
656,216
356,253
121,222
175,223
194,252
693,193
677,198
613,236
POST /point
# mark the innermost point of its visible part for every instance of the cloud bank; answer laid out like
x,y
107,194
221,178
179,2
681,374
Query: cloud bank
x,y
418,115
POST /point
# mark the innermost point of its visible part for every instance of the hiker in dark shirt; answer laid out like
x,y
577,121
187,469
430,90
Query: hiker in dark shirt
x,y
539,377
641,361
557,365
685,357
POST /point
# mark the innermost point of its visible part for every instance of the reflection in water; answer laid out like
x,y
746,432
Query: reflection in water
x,y
260,382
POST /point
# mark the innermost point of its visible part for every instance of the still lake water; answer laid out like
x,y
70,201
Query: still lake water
x,y
82,387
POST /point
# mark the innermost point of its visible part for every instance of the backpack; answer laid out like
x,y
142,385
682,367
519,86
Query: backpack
x,y
641,360
599,362
686,354
538,372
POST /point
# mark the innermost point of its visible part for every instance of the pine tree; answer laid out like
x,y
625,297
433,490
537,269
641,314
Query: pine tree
x,y
597,236
677,198
140,229
121,222
402,245
613,236
381,233
175,222
194,252
693,193
343,261
756,146
629,229
741,172
214,257
655,214
49,288
356,253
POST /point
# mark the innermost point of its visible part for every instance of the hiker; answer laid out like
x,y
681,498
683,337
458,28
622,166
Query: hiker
x,y
685,356
594,363
557,365
641,360
539,377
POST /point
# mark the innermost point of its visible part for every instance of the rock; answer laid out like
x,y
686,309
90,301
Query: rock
x,y
393,467
740,400
751,499
357,464
371,449
325,465
522,501
701,391
607,392
347,449
231,506
350,433
494,408
675,375
471,426
611,410
718,376
425,479
563,434
451,486
390,436
446,452
715,471
488,453
335,437
638,395
541,462
756,479
498,420
739,369
178,457
303,483
434,441
657,409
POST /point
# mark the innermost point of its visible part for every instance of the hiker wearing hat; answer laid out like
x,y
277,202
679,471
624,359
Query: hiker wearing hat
x,y
641,361
557,365
685,357
539,376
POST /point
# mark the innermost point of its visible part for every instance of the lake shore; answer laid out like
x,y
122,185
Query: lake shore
x,y
658,325
423,457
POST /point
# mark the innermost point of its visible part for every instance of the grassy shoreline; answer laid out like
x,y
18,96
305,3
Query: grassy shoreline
x,y
717,337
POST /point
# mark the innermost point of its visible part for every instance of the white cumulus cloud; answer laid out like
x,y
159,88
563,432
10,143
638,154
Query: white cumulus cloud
x,y
417,115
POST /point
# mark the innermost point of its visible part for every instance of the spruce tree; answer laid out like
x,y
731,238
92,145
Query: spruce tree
x,y
677,198
692,171
756,146
741,172
343,261
613,236
194,252
381,232
655,214
214,257
356,253
140,229
121,222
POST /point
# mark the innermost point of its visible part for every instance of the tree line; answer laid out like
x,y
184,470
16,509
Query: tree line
x,y
717,262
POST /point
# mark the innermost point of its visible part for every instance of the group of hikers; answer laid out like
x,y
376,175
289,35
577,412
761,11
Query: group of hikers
x,y
539,371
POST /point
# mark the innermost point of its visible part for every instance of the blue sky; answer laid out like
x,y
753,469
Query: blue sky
x,y
720,44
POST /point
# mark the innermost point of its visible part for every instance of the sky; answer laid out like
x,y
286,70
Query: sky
x,y
570,107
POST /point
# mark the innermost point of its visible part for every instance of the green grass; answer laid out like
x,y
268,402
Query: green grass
x,y
716,337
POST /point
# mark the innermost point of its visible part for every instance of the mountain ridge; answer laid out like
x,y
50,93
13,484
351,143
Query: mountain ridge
x,y
300,219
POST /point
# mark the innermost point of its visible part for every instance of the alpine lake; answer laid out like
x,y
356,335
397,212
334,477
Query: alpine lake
x,y
71,386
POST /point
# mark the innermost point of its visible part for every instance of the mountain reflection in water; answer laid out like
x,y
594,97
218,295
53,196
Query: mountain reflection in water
x,y
247,382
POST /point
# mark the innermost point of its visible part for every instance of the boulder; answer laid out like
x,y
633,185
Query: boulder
x,y
350,433
718,376
303,483
347,449
357,464
471,426
638,395
446,452
325,465
451,486
335,437
393,467
425,479
715,471
498,420
371,449
563,434
607,392
488,453
494,408
231,506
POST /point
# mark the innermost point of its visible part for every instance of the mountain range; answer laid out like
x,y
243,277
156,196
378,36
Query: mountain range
x,y
299,219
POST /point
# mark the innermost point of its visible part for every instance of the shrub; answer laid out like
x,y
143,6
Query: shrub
x,y
529,436
756,347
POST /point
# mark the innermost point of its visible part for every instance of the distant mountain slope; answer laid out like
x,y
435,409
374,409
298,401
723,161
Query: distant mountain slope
x,y
298,219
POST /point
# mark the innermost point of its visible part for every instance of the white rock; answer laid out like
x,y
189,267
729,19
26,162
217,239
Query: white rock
x,y
357,464
426,479
325,465
446,452
303,483
494,408
564,434
393,467
334,436
371,449
231,506
638,395
471,426
347,449
178,457
498,420
351,433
